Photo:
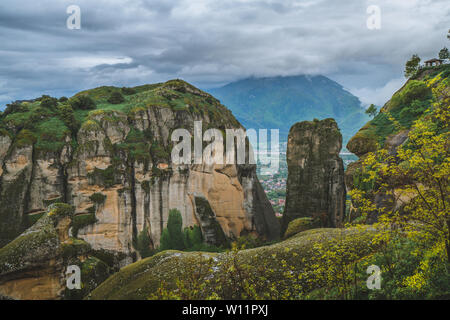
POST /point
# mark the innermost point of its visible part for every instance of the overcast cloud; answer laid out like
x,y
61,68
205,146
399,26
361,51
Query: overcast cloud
x,y
212,42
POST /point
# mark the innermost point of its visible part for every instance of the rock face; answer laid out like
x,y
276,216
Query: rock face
x,y
212,232
32,267
315,185
115,169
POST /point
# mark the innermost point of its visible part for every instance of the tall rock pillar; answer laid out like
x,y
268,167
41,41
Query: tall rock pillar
x,y
315,185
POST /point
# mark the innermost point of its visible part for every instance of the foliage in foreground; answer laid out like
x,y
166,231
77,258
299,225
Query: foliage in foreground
x,y
416,178
310,260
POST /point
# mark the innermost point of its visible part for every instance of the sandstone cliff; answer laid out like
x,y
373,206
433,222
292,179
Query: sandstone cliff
x,y
112,162
315,185
33,266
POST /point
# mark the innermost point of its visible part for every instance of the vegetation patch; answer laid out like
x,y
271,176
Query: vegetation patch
x,y
103,177
98,198
116,98
287,270
299,225
81,221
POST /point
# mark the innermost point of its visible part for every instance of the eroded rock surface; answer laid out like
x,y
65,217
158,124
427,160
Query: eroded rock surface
x,y
315,185
33,266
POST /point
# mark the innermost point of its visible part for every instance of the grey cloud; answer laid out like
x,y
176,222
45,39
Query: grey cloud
x,y
211,42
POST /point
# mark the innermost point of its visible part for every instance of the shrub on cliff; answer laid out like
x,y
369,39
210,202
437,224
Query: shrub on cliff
x,y
412,66
172,236
82,102
128,91
414,90
68,117
116,98
49,102
144,244
193,237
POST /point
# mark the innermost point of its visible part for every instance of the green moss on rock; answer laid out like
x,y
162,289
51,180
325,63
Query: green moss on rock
x,y
81,221
142,279
299,225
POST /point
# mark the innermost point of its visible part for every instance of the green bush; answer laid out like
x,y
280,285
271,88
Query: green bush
x,y
25,138
299,225
158,152
189,239
414,90
144,244
67,115
102,177
51,134
116,98
173,236
248,242
12,108
98,198
81,221
409,114
82,102
193,237
128,91
136,145
49,102
410,270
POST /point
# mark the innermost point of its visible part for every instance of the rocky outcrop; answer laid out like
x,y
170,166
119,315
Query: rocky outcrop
x,y
388,130
115,169
33,266
315,185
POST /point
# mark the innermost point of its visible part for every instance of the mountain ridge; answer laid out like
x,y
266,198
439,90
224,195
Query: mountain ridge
x,y
279,102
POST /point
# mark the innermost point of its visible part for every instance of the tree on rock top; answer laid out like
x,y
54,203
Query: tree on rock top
x,y
444,54
412,66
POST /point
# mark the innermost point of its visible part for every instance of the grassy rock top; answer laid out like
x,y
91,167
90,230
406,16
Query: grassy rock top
x,y
305,136
405,106
268,264
50,124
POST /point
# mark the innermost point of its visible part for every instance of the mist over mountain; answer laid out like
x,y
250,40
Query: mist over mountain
x,y
279,102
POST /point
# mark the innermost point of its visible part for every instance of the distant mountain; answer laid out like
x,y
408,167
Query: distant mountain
x,y
279,102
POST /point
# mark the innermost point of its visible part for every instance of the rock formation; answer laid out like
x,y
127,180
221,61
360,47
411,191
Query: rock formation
x,y
315,185
389,130
112,163
33,266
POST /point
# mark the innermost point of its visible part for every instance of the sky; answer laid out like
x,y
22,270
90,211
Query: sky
x,y
213,42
